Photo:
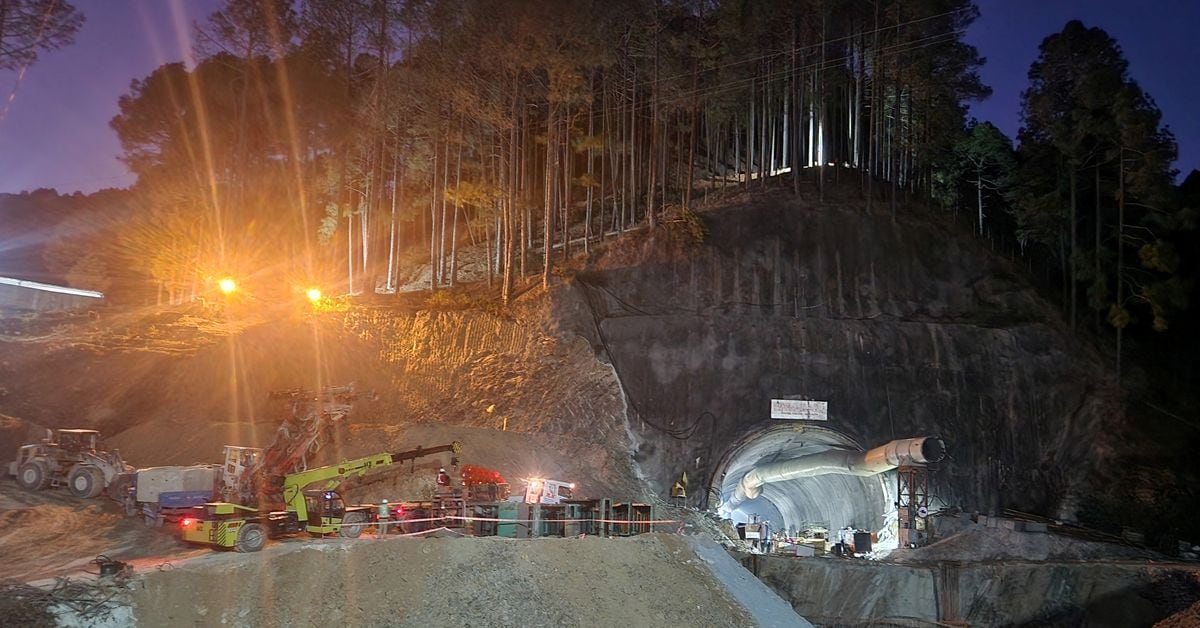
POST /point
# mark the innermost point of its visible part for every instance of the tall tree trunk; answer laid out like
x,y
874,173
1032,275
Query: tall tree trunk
x,y
691,160
550,172
433,257
1096,254
1071,261
457,204
1120,253
979,194
393,243
797,112
587,218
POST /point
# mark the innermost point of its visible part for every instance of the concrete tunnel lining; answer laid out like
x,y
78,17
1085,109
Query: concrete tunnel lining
x,y
833,500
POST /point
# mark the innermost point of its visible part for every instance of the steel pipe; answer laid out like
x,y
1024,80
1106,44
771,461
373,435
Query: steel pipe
x,y
906,451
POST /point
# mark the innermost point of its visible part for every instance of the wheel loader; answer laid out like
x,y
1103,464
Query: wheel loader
x,y
68,457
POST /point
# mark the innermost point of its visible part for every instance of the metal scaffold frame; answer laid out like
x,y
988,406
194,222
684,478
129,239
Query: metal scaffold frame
x,y
912,505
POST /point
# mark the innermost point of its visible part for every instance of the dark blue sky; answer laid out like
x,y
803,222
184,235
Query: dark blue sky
x,y
1157,37
56,132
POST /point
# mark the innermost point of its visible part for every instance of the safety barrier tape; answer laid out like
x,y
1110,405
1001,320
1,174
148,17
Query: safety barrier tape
x,y
497,520
546,520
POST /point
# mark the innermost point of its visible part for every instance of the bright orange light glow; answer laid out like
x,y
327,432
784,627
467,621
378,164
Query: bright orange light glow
x,y
227,285
313,294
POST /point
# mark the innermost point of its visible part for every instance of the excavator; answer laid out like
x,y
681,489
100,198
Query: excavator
x,y
311,504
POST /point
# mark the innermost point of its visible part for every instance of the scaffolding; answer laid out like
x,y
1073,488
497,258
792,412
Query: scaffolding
x,y
912,505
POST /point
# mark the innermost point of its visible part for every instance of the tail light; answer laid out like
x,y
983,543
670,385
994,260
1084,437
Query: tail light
x,y
186,522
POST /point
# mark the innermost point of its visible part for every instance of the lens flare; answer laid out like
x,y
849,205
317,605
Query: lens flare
x,y
227,285
313,294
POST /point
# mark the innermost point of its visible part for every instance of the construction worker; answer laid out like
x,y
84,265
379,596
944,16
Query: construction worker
x,y
679,489
385,515
443,481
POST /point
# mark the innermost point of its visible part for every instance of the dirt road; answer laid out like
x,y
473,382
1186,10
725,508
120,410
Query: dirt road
x,y
51,533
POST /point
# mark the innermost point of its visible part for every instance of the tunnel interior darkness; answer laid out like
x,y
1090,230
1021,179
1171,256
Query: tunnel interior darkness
x,y
833,501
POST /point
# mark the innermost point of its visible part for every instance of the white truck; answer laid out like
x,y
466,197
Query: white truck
x,y
166,494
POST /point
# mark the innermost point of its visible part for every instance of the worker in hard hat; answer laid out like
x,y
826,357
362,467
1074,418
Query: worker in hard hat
x,y
385,515
443,482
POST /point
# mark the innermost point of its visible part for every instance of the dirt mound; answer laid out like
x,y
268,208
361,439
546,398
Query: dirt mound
x,y
646,580
51,533
1186,618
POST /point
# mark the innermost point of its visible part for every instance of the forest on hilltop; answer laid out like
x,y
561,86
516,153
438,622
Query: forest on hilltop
x,y
348,140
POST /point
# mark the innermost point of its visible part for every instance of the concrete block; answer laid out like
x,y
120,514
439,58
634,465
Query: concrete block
x,y
1008,524
1035,527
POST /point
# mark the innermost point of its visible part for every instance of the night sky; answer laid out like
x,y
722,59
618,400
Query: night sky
x,y
56,132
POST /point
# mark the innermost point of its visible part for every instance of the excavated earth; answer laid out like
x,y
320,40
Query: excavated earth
x,y
648,580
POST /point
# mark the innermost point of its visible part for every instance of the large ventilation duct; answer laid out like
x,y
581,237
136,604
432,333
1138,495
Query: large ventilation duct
x,y
905,451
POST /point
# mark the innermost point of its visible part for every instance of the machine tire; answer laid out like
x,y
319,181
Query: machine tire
x,y
251,538
85,481
32,476
412,527
352,525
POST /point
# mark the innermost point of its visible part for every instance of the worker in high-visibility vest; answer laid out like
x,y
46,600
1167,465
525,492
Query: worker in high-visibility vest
x,y
385,516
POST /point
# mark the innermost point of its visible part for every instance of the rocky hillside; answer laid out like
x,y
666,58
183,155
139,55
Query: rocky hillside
x,y
665,349
902,324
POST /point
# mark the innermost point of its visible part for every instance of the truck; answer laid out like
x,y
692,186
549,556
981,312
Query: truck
x,y
310,503
68,457
166,494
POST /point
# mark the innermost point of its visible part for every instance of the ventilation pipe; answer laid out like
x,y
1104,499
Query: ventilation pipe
x,y
906,451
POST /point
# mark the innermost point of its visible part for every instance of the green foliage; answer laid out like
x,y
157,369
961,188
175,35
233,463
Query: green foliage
x,y
329,223
1160,256
474,194
1119,317
301,117
690,225
1088,124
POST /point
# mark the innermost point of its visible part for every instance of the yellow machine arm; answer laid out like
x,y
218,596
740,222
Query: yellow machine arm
x,y
330,477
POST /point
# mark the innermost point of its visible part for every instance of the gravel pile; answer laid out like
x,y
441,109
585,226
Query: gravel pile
x,y
640,581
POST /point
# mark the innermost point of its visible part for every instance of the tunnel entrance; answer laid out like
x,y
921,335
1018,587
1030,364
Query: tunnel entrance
x,y
830,501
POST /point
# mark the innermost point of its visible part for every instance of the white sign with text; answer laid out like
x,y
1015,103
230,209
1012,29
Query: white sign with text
x,y
799,410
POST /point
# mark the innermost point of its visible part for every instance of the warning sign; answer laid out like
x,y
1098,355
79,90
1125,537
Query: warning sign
x,y
799,410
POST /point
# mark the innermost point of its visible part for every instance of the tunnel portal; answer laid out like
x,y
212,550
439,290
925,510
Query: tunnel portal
x,y
832,501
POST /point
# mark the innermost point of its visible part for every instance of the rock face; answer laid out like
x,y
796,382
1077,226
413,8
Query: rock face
x,y
903,325
1097,593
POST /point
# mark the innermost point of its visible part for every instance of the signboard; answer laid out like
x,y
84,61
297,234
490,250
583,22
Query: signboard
x,y
799,410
